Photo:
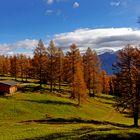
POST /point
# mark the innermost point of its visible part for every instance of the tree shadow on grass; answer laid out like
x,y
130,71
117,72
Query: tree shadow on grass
x,y
105,102
88,133
58,121
130,136
29,88
128,114
105,97
52,102
35,88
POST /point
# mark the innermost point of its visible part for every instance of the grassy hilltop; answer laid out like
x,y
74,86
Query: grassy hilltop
x,y
42,115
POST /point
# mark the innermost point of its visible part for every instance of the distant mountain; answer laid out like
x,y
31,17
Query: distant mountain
x,y
107,59
102,51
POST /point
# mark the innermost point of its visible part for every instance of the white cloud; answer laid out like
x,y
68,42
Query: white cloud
x,y
76,5
55,12
49,12
98,39
115,3
24,46
49,2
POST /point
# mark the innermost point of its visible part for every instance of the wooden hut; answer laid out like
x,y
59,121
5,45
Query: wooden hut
x,y
8,86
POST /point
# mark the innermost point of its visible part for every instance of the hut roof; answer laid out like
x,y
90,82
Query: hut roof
x,y
9,82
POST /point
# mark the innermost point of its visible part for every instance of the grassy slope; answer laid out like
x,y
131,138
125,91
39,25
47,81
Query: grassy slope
x,y
35,115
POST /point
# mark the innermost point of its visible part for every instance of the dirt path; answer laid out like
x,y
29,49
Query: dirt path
x,y
111,115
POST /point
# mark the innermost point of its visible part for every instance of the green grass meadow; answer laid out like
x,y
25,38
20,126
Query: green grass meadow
x,y
41,115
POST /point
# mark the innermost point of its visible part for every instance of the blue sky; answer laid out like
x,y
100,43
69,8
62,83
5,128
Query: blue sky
x,y
29,20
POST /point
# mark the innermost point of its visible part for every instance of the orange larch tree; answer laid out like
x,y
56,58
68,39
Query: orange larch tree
x,y
52,69
40,61
60,67
91,71
127,72
73,57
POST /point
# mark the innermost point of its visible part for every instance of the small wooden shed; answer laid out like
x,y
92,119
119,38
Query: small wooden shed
x,y
8,86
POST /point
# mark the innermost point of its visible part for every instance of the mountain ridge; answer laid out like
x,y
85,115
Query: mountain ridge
x,y
107,60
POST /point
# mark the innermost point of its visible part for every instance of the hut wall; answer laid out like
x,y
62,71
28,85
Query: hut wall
x,y
12,89
4,88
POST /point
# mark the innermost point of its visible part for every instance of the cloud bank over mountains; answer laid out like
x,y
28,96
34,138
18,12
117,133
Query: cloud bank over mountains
x,y
100,40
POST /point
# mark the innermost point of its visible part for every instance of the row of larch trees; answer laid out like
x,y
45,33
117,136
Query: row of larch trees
x,y
15,66
80,72
49,65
